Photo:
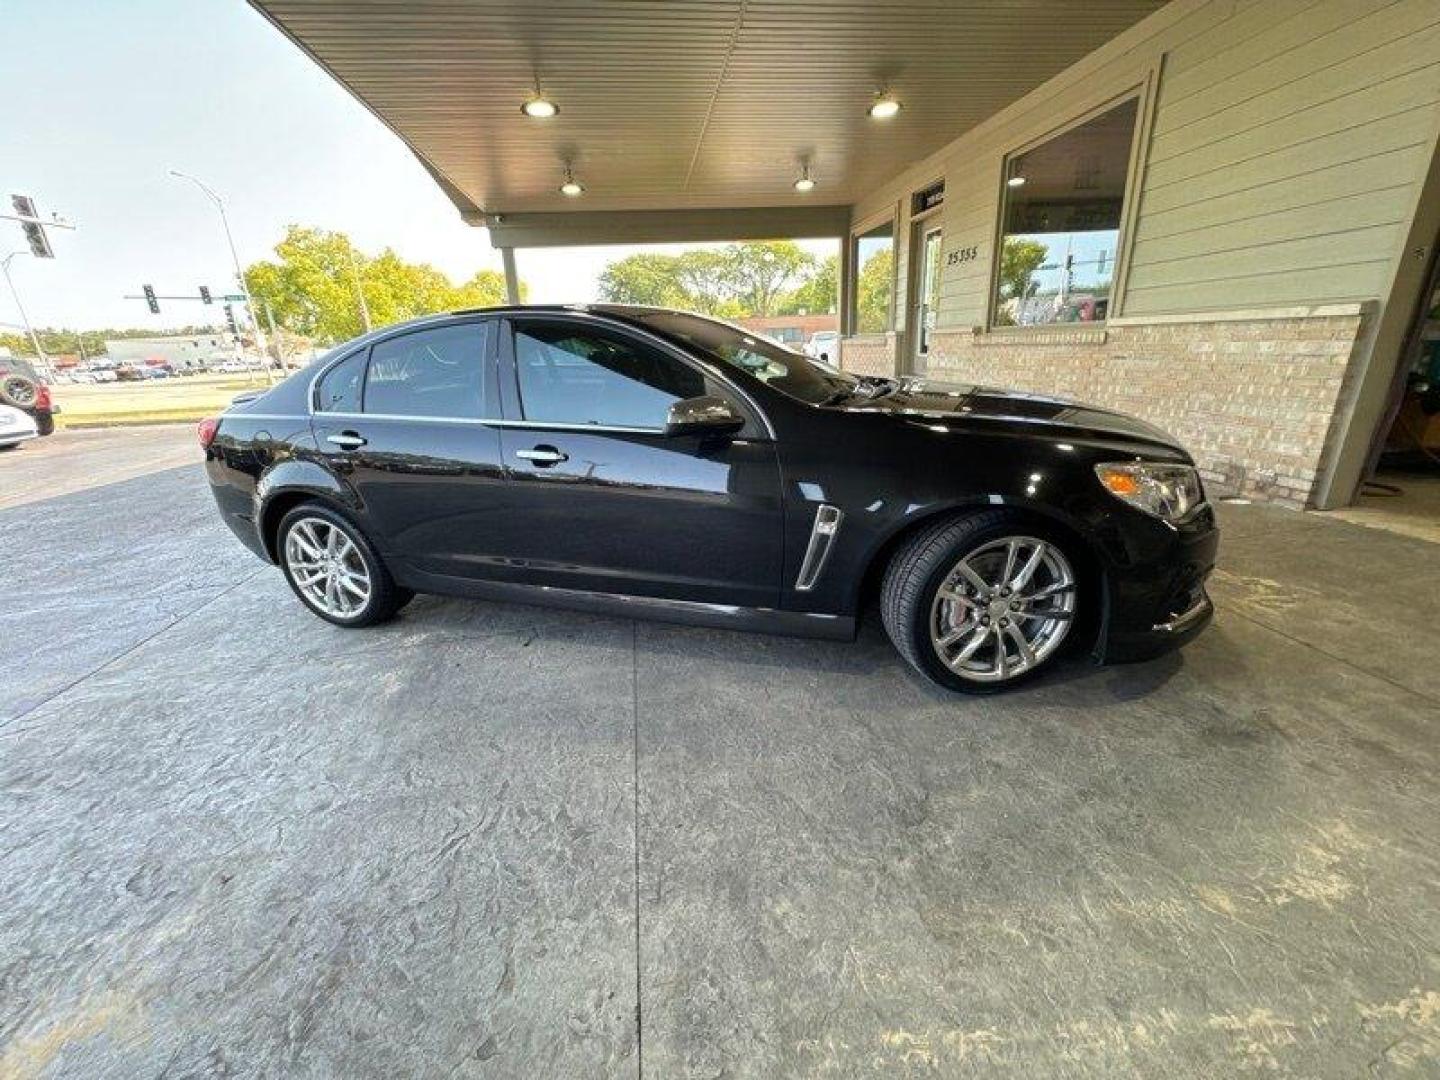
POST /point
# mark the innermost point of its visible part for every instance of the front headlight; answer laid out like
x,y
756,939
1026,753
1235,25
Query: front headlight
x,y
1167,491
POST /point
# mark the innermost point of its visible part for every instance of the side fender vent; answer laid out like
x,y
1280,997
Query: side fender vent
x,y
822,539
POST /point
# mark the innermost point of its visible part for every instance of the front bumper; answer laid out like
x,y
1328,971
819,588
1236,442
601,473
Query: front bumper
x,y
1155,591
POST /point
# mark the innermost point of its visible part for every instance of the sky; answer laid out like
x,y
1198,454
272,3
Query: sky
x,y
100,99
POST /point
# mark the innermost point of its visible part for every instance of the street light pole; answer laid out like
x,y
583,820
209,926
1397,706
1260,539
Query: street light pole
x,y
34,339
359,289
239,273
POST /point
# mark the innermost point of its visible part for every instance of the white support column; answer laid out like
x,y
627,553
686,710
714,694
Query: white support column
x,y
512,279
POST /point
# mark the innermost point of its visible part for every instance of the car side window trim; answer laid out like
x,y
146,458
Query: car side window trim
x,y
494,422
490,375
510,385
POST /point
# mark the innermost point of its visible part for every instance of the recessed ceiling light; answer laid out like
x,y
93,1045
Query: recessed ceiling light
x,y
1016,181
571,187
804,182
540,107
885,105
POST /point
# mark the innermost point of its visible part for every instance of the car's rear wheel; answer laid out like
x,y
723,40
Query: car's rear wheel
x,y
335,570
982,602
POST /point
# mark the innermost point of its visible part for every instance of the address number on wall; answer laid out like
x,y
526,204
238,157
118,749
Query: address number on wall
x,y
962,255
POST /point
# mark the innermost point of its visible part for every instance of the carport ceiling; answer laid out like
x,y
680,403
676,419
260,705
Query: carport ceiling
x,y
686,104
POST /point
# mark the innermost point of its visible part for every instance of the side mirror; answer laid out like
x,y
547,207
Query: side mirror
x,y
708,415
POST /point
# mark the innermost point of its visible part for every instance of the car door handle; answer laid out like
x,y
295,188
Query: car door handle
x,y
348,439
543,455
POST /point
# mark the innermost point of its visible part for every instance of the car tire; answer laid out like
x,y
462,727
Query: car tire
x,y
19,391
954,637
354,587
45,424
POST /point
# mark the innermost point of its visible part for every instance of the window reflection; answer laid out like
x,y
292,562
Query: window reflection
x,y
1063,206
874,279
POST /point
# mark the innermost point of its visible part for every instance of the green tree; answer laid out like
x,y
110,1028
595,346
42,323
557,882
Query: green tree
x,y
486,289
1019,259
652,280
734,281
757,274
314,284
818,294
874,290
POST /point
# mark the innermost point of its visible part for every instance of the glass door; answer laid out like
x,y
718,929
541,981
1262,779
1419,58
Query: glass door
x,y
926,294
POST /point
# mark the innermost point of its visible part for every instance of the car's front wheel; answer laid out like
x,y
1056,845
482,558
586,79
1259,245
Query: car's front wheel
x,y
981,602
335,570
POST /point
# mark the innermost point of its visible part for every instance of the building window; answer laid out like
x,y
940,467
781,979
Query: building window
x,y
1064,201
874,292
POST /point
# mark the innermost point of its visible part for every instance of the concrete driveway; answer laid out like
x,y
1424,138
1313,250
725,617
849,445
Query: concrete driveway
x,y
501,841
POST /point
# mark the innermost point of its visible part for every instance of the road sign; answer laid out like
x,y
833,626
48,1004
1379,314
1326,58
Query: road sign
x,y
236,298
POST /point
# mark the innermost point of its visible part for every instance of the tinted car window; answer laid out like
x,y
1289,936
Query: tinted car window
x,y
339,390
577,375
790,372
438,372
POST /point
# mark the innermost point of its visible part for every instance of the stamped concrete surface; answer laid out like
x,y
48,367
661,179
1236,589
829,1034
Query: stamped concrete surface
x,y
492,840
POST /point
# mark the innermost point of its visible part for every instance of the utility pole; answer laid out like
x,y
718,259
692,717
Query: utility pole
x,y
24,318
33,226
359,291
239,273
275,337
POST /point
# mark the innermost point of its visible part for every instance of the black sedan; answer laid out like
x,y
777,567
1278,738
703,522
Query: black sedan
x,y
666,465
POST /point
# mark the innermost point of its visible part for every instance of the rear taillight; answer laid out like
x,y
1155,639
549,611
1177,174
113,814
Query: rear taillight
x,y
42,397
206,430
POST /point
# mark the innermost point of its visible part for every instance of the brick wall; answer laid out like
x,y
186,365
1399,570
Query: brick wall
x,y
872,354
1252,398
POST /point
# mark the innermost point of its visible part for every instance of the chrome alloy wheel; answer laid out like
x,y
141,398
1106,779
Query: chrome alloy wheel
x,y
1003,609
327,567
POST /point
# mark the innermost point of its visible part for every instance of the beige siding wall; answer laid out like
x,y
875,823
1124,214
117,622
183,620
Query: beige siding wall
x,y
1289,138
1282,151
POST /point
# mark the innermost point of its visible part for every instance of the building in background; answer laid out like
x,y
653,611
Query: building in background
x,y
792,330
183,353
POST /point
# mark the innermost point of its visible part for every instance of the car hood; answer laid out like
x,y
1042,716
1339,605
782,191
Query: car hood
x,y
984,404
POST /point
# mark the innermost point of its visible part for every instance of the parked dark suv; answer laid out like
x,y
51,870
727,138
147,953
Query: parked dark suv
x,y
662,464
22,387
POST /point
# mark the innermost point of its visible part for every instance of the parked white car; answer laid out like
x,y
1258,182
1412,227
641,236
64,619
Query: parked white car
x,y
824,345
15,427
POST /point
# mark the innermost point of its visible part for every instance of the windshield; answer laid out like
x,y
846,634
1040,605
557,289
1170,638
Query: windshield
x,y
791,373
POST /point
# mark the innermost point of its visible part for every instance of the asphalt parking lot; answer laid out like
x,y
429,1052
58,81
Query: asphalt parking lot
x,y
500,841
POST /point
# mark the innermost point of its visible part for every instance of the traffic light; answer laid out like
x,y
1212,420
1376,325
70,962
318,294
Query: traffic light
x,y
230,319
154,304
34,231
205,293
